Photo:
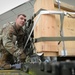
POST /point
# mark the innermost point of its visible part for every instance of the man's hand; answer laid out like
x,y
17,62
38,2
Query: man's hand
x,y
22,57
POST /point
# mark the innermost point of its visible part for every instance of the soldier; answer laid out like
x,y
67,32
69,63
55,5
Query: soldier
x,y
12,42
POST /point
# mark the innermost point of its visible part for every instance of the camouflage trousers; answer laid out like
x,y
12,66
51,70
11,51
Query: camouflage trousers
x,y
6,60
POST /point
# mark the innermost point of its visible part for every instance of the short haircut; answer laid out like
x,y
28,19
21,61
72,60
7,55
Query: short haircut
x,y
22,15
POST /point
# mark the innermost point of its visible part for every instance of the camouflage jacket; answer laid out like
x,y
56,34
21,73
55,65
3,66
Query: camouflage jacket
x,y
13,39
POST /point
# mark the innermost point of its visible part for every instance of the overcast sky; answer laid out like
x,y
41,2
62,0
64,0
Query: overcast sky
x,y
6,5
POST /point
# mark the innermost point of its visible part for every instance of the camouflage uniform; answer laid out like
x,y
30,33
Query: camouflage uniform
x,y
12,44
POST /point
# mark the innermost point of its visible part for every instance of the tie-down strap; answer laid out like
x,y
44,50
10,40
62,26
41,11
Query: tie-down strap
x,y
53,39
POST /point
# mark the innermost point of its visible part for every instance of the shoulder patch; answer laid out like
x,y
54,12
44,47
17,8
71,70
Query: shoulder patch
x,y
8,23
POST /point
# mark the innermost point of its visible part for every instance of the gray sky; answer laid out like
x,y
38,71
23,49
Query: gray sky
x,y
6,5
